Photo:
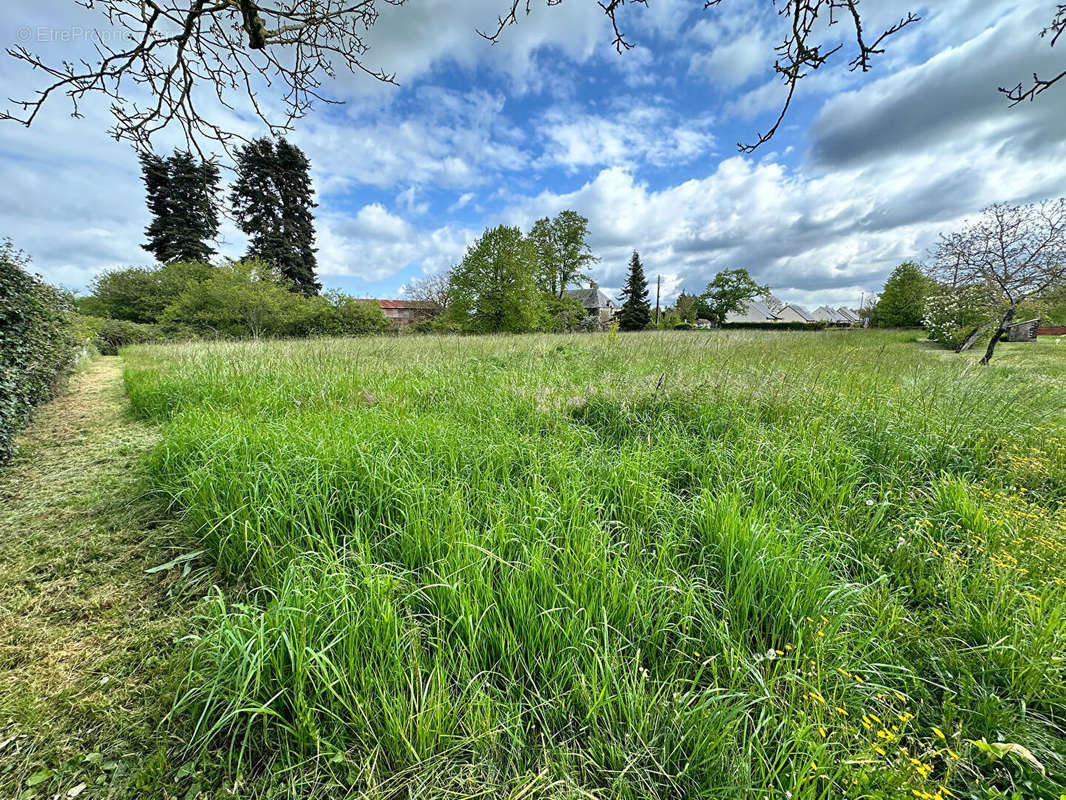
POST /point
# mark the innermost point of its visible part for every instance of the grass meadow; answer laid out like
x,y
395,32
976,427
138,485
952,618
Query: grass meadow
x,y
664,565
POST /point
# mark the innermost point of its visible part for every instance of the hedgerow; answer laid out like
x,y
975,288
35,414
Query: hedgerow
x,y
37,343
778,326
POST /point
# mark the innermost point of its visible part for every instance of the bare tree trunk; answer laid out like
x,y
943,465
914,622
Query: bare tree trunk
x,y
972,338
1000,330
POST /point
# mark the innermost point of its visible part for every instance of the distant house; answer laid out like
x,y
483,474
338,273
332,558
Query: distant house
x,y
848,315
827,314
406,312
757,311
794,313
597,304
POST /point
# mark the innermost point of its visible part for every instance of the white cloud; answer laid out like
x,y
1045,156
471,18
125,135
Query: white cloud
x,y
376,244
639,134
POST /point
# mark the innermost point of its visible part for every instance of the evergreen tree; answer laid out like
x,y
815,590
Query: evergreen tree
x,y
297,217
636,310
273,200
182,199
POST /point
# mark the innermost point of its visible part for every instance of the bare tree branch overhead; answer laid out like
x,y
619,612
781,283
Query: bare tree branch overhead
x,y
1040,85
169,48
161,59
797,56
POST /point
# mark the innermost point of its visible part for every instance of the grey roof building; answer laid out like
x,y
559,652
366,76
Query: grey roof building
x,y
795,313
757,311
592,299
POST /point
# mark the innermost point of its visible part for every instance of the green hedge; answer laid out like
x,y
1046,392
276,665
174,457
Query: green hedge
x,y
38,346
779,326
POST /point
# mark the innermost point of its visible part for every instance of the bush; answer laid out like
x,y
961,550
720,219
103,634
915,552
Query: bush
x,y
113,334
37,344
337,314
682,326
779,326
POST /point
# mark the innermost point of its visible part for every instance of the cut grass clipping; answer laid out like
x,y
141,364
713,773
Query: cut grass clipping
x,y
661,566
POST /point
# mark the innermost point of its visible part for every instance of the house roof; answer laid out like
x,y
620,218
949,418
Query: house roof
x,y
756,312
416,304
847,314
827,314
801,311
591,298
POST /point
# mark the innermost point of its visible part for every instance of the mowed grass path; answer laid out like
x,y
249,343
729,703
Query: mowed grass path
x,y
89,650
665,565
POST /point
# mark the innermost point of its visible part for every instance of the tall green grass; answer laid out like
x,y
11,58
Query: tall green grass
x,y
666,565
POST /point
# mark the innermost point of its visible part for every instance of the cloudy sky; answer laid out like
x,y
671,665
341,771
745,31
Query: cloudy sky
x,y
865,173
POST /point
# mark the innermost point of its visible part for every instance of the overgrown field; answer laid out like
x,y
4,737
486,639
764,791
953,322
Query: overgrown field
x,y
654,566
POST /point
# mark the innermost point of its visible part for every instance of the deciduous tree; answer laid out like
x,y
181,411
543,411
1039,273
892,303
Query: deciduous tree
x,y
184,54
729,291
493,289
902,302
563,253
1017,252
434,290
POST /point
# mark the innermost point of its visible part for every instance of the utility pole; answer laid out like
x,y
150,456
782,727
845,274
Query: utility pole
x,y
658,287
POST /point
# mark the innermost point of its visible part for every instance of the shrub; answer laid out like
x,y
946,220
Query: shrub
x,y
683,326
562,314
37,343
337,314
140,294
113,334
239,300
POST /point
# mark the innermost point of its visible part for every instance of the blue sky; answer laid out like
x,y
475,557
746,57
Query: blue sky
x,y
865,173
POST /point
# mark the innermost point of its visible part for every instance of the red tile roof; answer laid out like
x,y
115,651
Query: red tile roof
x,y
404,304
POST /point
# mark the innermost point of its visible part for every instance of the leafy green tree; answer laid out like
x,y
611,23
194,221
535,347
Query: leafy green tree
x,y
728,292
563,314
273,200
242,299
685,306
563,252
181,193
1049,307
636,310
140,294
493,289
902,302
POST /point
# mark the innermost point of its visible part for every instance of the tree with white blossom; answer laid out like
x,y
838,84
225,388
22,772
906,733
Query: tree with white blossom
x,y
1016,253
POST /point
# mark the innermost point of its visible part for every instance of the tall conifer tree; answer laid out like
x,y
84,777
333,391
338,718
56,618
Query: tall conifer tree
x,y
636,310
182,199
274,200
